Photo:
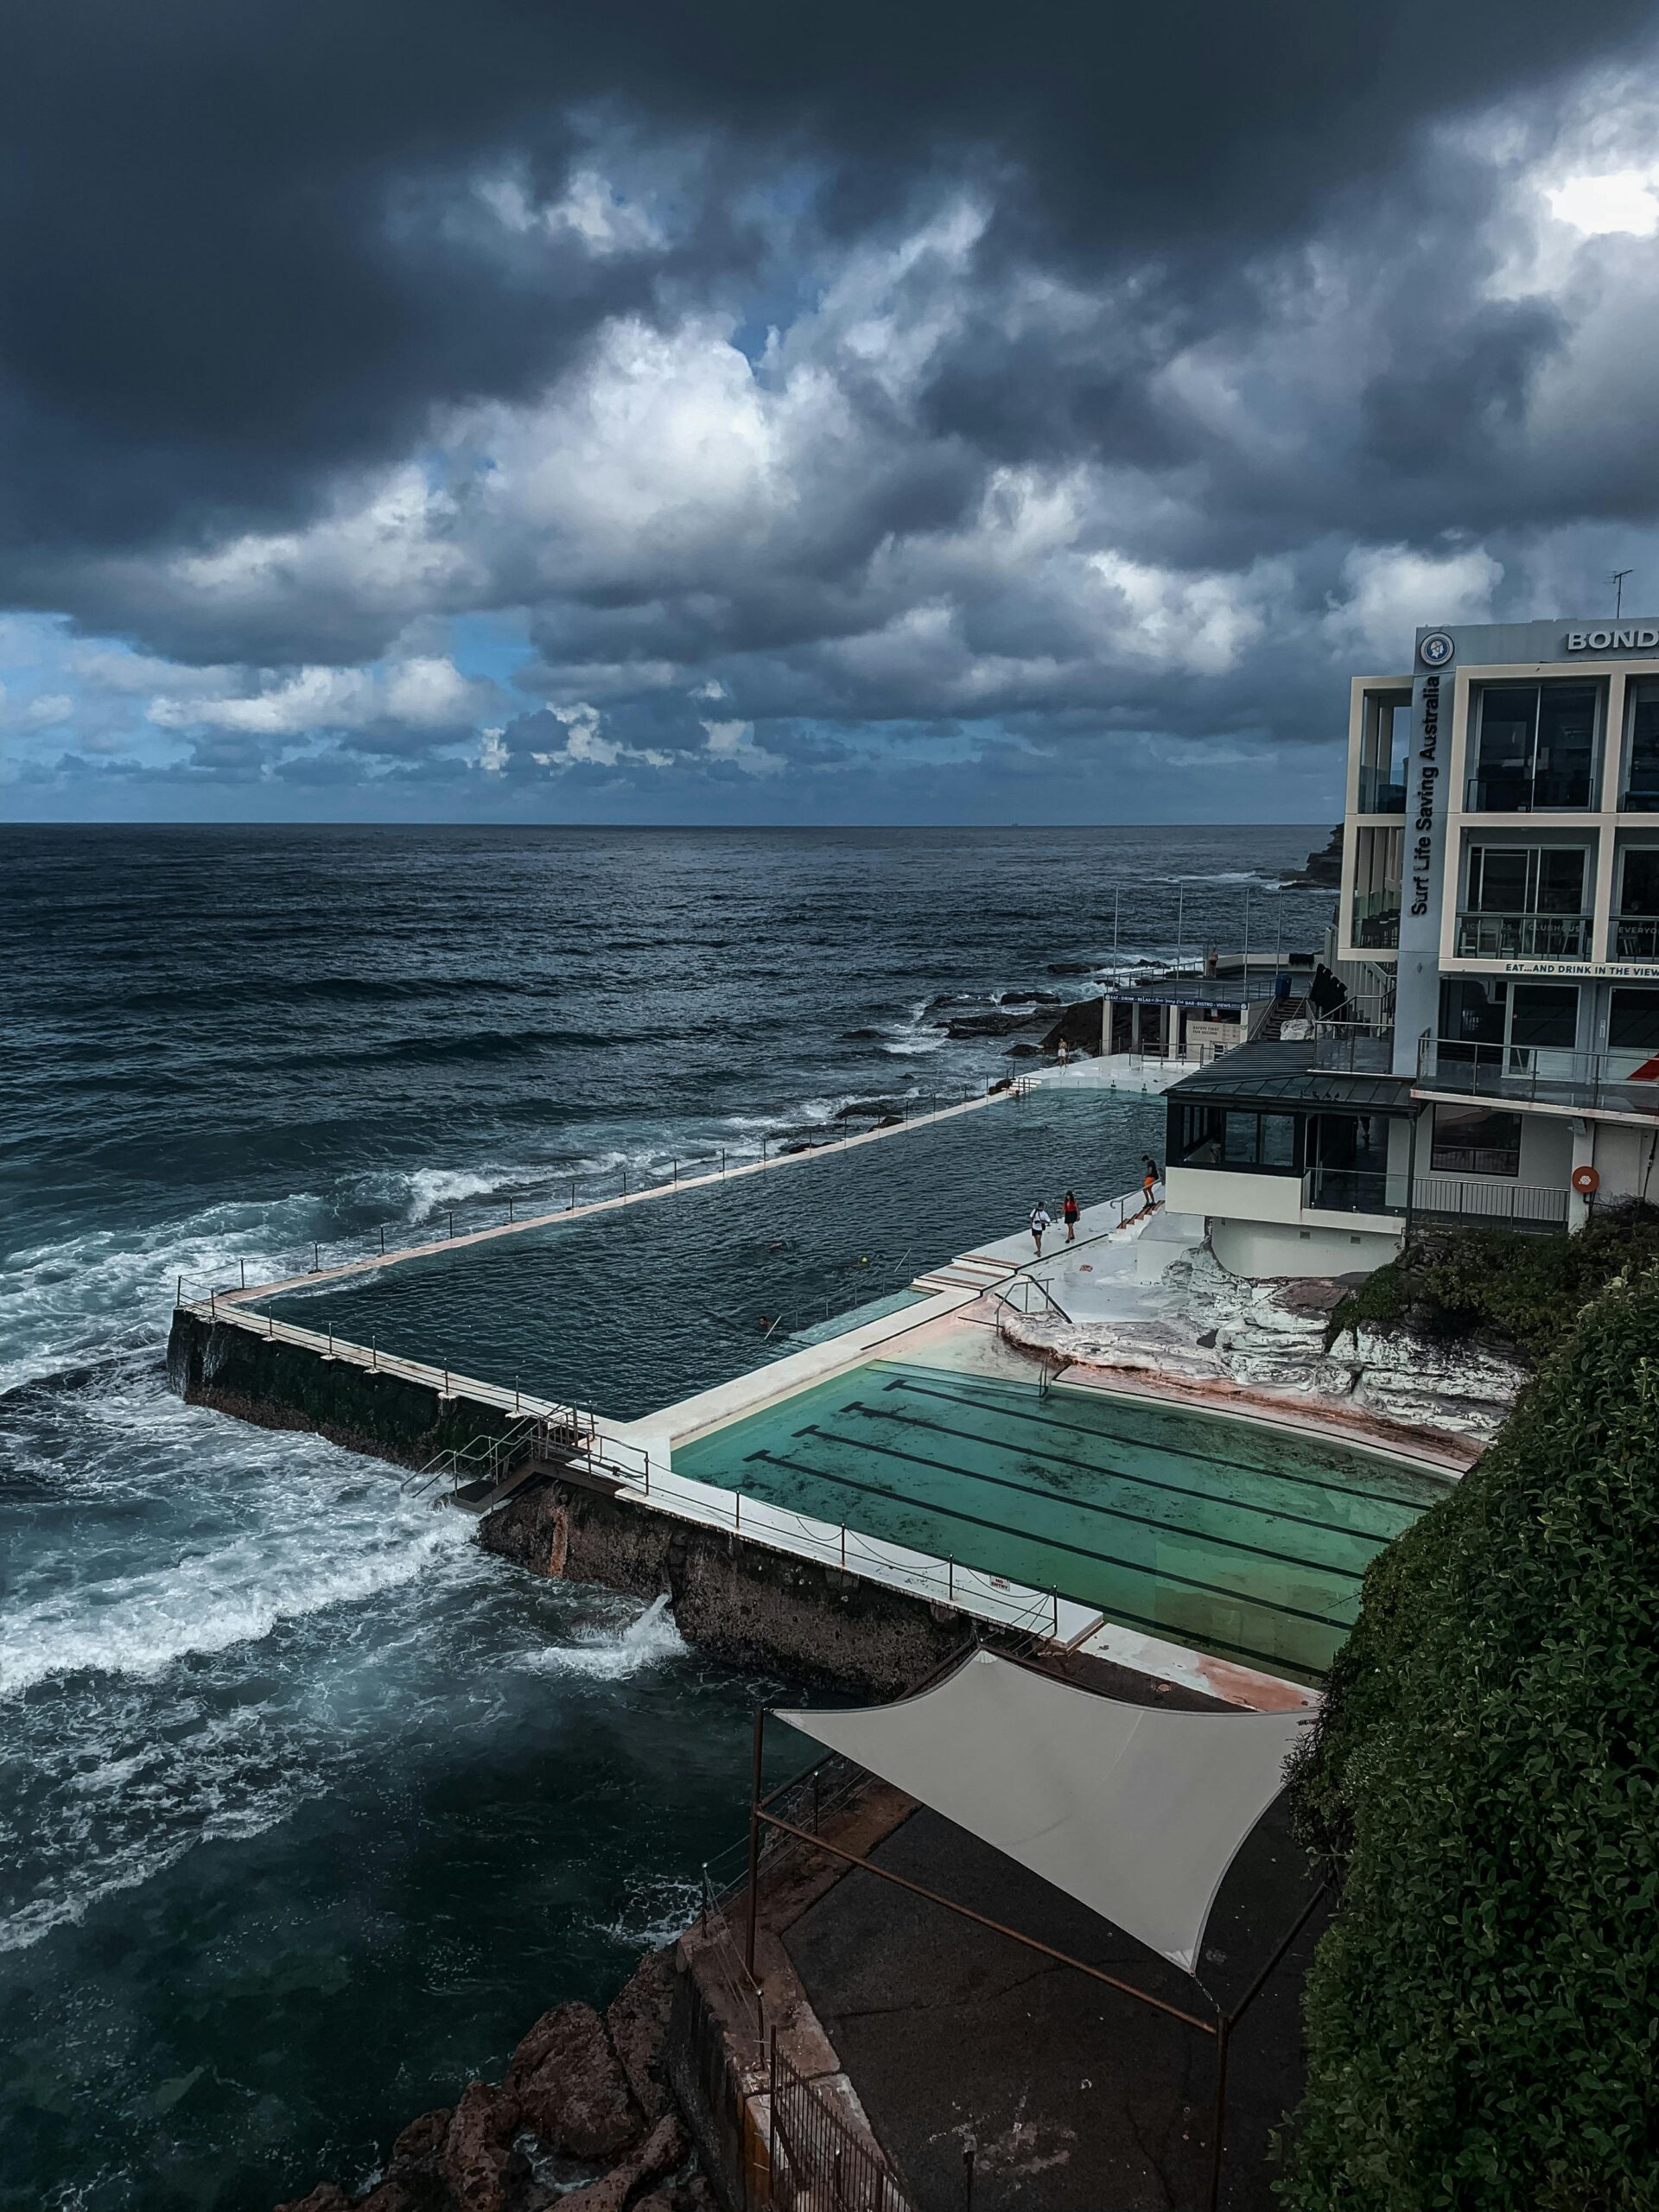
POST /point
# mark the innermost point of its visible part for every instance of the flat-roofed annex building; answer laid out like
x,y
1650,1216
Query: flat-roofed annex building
x,y
1500,897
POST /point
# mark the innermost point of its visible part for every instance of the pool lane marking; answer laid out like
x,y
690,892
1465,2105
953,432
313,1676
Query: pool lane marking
x,y
1210,1458
1122,1474
1082,1504
1051,1543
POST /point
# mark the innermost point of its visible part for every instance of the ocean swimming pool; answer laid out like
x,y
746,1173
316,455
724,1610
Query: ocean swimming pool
x,y
631,1310
1231,1536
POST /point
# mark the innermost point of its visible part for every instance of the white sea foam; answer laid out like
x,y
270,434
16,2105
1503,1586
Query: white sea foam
x,y
67,1301
654,1914
608,1654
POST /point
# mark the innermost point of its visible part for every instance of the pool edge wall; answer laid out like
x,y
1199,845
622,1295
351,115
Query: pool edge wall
x,y
741,1601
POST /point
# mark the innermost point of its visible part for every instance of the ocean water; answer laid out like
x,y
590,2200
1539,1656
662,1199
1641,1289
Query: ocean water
x,y
307,1807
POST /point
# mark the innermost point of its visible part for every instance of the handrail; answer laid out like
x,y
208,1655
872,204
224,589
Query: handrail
x,y
1002,1294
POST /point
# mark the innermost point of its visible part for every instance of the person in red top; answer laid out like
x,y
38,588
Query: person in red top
x,y
1071,1210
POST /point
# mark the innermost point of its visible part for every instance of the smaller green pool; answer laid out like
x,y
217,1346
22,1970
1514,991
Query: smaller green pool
x,y
1236,1539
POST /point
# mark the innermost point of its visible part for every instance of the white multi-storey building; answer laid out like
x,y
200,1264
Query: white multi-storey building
x,y
1499,912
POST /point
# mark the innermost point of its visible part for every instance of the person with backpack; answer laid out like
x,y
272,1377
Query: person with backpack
x,y
1040,1219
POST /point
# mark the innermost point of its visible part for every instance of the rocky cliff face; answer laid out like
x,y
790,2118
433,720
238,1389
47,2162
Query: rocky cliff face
x,y
1228,1332
582,2120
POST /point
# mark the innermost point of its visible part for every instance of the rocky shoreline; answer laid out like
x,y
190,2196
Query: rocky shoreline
x,y
582,2119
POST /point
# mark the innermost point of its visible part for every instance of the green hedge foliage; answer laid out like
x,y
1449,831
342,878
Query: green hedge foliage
x,y
1483,2015
1520,1288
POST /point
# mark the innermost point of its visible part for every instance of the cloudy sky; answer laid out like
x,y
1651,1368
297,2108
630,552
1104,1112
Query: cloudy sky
x,y
739,412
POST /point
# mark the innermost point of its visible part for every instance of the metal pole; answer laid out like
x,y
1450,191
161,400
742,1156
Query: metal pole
x,y
1117,911
242,1266
452,1224
754,1837
1247,946
317,1258
677,1171
1180,927
572,1206
383,1240
1221,2026
178,1295
968,2179
374,1354
509,1208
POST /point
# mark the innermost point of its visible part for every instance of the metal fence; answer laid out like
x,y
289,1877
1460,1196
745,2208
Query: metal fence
x,y
818,2162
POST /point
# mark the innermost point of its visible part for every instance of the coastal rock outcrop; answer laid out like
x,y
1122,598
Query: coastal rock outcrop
x,y
582,2091
570,2087
1213,1330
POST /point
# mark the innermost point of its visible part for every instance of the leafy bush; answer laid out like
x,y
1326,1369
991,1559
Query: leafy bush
x,y
1483,2015
1522,1288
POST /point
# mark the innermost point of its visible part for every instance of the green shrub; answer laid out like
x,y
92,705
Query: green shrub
x,y
1505,1283
1482,2017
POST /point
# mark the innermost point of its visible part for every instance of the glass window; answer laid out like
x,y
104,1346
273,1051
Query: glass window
x,y
1279,1141
1536,747
1472,1010
1642,770
1475,1140
1507,722
1561,880
1640,893
1235,1138
1526,878
1633,1021
1545,1014
1239,1145
1498,880
1566,741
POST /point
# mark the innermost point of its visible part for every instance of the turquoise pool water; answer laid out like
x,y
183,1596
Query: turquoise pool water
x,y
1239,1540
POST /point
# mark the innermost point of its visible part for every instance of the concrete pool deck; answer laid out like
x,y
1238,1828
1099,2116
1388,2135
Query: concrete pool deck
x,y
954,1316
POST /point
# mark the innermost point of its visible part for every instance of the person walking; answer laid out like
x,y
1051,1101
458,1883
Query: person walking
x,y
1064,1055
1040,1219
1069,1211
1149,1180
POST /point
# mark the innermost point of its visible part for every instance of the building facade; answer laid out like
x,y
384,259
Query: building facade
x,y
1500,905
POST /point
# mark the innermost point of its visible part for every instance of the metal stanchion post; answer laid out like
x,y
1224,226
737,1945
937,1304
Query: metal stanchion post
x,y
754,1837
243,1267
383,1240
316,1259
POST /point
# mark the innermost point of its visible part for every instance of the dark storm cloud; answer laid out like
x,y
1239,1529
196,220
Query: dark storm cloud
x,y
226,268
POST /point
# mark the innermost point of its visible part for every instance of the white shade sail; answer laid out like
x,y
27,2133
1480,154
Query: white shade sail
x,y
1135,1810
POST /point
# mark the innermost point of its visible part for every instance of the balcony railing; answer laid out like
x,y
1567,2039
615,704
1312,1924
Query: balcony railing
x,y
1376,1191
1475,1160
1376,918
1523,937
1380,792
1354,1047
1495,793
1635,937
1543,1075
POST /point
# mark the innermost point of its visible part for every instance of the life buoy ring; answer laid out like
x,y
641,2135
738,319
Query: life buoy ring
x,y
1585,1181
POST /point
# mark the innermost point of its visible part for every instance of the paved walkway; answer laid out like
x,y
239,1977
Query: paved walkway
x,y
1075,2099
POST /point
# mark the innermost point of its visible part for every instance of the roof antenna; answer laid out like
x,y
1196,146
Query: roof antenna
x,y
1619,576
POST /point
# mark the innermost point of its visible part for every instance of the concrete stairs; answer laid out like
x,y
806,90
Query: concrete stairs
x,y
975,1271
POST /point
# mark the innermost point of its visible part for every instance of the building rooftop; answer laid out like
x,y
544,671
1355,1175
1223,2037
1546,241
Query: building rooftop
x,y
1273,1071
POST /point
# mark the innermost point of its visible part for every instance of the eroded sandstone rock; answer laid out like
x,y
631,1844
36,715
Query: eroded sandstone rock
x,y
570,2088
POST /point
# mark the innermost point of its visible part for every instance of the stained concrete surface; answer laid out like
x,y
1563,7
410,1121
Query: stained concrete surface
x,y
1075,2099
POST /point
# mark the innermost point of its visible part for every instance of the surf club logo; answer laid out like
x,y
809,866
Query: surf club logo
x,y
1436,650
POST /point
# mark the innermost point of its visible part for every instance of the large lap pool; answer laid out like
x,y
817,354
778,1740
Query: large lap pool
x,y
1234,1538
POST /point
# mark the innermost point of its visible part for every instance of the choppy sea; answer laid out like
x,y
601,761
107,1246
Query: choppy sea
x,y
307,1806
